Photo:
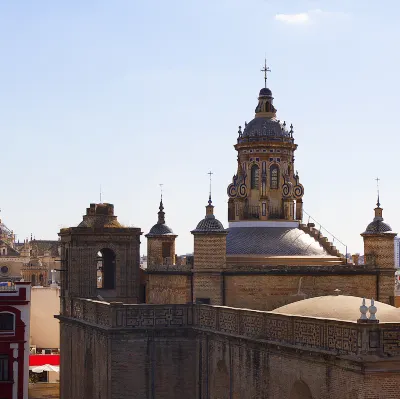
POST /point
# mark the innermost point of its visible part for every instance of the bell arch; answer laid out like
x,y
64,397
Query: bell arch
x,y
106,268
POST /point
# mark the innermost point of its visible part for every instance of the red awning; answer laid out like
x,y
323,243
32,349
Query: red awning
x,y
41,360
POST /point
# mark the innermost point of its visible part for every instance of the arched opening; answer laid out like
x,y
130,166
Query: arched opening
x,y
300,390
33,280
255,174
274,176
41,279
106,269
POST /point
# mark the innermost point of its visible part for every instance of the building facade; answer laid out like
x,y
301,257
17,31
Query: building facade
x,y
255,313
31,260
14,340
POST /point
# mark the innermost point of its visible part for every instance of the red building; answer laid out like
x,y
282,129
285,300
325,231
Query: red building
x,y
14,340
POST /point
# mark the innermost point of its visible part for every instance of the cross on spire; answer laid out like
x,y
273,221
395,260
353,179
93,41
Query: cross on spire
x,y
377,189
265,70
209,197
161,185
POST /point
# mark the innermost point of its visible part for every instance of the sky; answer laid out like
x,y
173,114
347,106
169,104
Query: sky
x,y
128,94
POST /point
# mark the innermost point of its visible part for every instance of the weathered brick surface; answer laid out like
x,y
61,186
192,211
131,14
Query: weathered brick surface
x,y
266,292
209,251
154,250
173,288
208,285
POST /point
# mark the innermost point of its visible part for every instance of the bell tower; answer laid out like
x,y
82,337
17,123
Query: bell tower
x,y
100,258
266,186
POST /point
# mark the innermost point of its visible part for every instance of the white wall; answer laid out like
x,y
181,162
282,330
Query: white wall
x,y
45,329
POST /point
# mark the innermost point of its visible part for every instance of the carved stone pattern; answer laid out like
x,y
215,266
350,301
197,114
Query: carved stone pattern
x,y
103,315
277,330
207,317
89,311
391,342
156,317
309,334
229,321
342,339
77,310
251,326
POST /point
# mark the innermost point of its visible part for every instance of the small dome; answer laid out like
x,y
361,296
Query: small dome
x,y
377,226
338,307
160,229
209,224
265,92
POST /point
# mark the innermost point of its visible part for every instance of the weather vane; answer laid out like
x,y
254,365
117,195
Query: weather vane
x,y
265,70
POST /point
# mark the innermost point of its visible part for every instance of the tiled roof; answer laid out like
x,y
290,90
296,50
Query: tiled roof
x,y
45,245
274,241
160,229
377,226
209,225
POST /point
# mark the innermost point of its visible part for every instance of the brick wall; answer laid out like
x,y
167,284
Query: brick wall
x,y
209,251
267,292
381,248
154,250
208,285
168,288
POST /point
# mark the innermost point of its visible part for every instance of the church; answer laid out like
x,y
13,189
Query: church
x,y
252,315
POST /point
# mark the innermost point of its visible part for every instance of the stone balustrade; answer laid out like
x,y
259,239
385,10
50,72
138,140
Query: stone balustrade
x,y
330,336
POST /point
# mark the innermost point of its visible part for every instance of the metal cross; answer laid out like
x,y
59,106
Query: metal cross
x,y
210,173
265,70
377,188
161,189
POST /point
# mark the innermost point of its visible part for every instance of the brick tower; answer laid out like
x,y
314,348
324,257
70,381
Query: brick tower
x,y
161,242
100,258
379,252
209,259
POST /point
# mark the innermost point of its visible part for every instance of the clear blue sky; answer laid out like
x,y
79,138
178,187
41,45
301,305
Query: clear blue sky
x,y
130,94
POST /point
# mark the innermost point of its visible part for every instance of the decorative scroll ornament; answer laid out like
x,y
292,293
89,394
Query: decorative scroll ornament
x,y
238,188
287,189
298,190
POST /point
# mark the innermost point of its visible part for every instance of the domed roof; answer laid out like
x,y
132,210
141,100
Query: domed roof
x,y
339,307
265,92
265,128
160,229
377,226
209,224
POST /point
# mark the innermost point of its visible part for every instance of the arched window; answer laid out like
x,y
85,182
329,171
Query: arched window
x,y
7,322
274,176
255,173
106,269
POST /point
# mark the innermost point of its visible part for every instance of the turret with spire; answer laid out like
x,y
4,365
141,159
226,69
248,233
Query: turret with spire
x,y
160,241
379,253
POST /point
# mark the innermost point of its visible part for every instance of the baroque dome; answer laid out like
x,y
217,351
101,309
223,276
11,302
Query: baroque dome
x,y
269,128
